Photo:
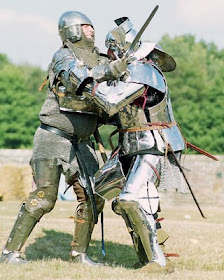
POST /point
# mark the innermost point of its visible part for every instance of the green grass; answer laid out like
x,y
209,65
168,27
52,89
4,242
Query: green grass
x,y
198,241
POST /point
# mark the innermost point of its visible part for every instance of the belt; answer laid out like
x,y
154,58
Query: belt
x,y
59,132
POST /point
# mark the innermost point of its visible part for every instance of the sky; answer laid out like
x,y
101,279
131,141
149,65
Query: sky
x,y
29,28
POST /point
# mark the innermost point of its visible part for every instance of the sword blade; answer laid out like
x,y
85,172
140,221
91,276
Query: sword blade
x,y
138,36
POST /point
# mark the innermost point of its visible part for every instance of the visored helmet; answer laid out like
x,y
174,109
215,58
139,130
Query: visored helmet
x,y
120,38
69,25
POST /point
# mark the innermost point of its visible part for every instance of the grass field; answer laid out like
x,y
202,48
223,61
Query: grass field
x,y
198,241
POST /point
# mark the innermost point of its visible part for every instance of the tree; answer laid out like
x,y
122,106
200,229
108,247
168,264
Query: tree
x,y
19,105
197,90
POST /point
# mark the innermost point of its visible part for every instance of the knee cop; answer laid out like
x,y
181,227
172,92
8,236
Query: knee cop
x,y
46,175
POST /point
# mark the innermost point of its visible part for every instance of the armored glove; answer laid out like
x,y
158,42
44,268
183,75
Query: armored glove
x,y
111,71
118,68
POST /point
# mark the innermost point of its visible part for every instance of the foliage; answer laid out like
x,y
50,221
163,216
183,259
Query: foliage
x,y
20,103
196,88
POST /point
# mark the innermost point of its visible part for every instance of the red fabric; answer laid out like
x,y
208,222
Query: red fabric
x,y
141,101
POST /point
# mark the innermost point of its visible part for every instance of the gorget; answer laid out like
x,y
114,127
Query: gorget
x,y
89,56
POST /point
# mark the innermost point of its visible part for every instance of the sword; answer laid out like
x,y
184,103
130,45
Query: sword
x,y
139,34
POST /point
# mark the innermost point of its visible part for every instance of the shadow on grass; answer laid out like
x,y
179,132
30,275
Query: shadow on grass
x,y
56,245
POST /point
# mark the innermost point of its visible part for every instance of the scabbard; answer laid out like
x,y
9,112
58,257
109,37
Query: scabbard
x,y
85,174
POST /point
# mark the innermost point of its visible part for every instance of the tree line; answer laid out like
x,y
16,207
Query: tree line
x,y
196,88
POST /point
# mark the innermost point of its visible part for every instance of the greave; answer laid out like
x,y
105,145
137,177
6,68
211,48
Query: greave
x,y
83,228
135,239
144,225
84,225
21,230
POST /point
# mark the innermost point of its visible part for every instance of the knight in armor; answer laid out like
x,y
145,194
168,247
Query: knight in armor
x,y
139,105
67,119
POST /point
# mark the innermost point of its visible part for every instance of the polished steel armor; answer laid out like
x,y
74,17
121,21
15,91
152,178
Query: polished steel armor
x,y
146,127
112,98
147,74
69,25
119,39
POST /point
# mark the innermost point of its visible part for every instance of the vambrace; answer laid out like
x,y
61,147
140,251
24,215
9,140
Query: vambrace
x,y
101,73
111,98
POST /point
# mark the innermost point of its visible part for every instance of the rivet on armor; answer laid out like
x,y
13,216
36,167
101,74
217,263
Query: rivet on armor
x,y
33,202
41,194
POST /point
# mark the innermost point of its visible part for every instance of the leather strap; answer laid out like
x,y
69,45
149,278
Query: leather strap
x,y
44,83
167,255
150,126
57,131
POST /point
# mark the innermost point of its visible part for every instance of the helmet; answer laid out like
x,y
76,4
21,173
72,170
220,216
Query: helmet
x,y
69,25
120,38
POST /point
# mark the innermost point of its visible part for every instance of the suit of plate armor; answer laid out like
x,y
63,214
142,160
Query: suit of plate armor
x,y
67,120
146,127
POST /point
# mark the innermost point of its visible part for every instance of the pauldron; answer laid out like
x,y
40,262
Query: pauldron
x,y
66,75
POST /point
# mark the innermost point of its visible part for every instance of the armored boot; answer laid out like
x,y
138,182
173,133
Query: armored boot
x,y
84,225
12,258
18,236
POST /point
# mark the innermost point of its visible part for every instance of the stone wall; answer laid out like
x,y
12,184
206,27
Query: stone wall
x,y
205,175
